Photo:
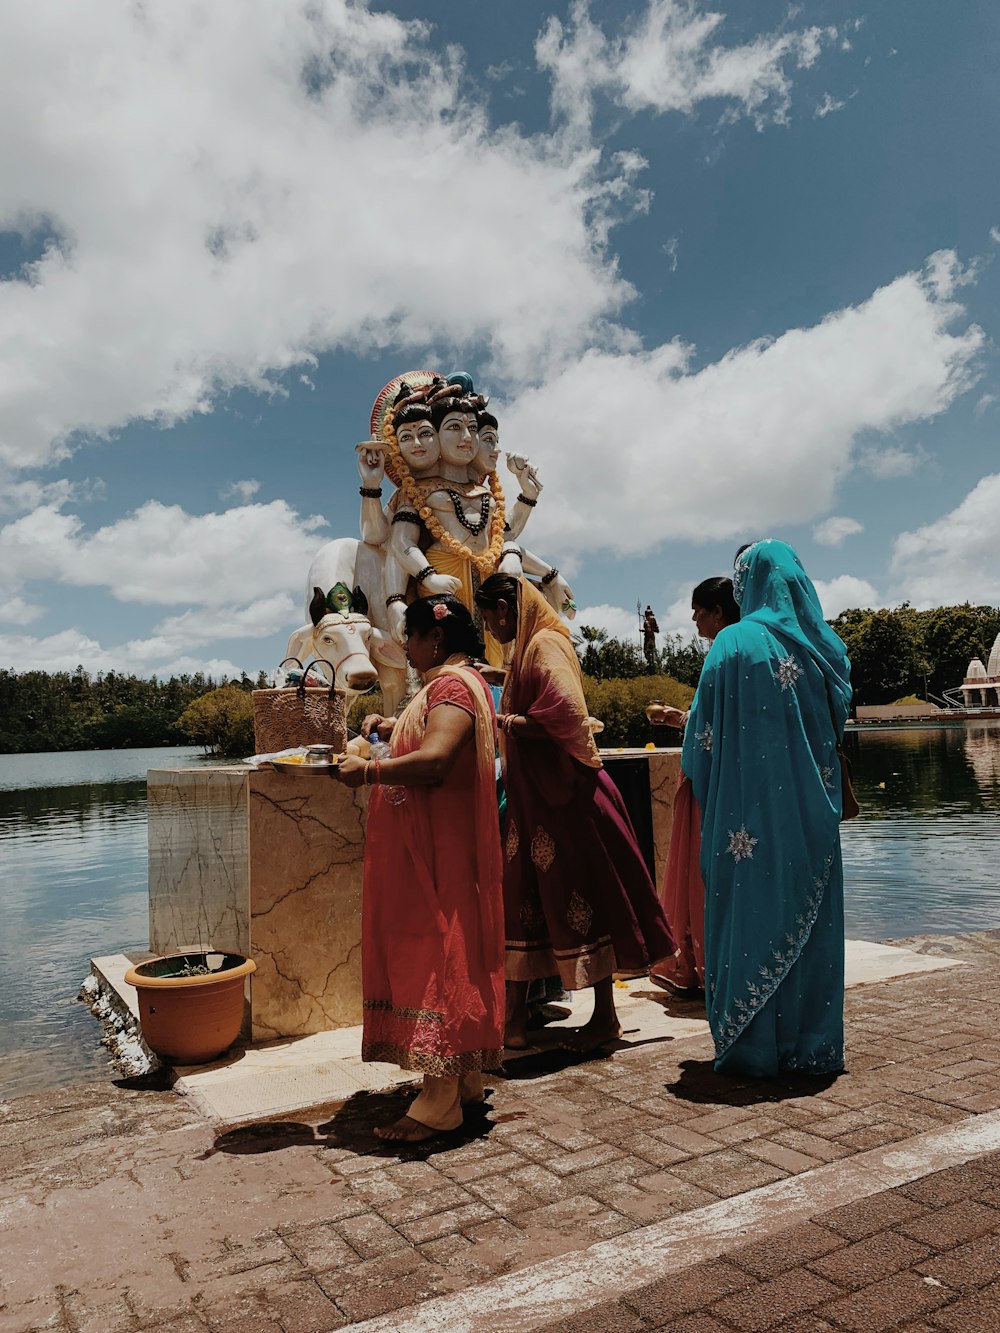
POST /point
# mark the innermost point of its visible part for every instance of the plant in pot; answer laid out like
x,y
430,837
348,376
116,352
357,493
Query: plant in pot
x,y
191,1004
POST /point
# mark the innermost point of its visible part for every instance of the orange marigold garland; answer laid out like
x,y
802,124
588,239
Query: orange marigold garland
x,y
484,561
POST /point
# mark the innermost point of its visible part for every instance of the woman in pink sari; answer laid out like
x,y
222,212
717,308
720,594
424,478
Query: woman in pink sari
x,y
578,899
713,607
432,950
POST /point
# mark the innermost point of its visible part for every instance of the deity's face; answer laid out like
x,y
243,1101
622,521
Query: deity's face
x,y
489,450
458,435
418,443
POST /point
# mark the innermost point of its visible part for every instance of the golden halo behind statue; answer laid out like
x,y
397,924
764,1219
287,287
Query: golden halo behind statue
x,y
416,379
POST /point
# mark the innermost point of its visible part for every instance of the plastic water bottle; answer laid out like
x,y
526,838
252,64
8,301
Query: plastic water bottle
x,y
380,750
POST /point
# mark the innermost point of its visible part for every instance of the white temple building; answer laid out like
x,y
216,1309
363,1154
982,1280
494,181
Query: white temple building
x,y
981,687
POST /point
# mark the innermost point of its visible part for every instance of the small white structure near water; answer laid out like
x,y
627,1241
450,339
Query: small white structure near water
x,y
981,687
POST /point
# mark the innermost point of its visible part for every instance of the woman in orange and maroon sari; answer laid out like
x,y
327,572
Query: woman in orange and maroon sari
x,y
578,899
713,607
432,948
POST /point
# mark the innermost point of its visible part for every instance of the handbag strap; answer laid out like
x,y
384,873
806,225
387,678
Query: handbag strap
x,y
301,690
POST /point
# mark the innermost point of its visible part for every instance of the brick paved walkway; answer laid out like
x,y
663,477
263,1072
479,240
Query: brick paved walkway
x,y
121,1210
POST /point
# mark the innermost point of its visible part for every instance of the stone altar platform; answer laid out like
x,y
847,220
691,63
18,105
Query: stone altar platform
x,y
270,865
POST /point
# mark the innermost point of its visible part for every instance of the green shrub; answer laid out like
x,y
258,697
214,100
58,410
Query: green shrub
x,y
621,706
221,721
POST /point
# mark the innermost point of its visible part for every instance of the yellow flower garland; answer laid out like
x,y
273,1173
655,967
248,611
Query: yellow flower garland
x,y
485,561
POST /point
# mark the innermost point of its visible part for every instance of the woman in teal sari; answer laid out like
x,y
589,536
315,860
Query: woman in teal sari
x,y
760,748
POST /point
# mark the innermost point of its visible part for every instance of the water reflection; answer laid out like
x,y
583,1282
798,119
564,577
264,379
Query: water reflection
x,y
922,858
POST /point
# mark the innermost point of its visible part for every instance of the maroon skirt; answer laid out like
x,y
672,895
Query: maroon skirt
x,y
578,899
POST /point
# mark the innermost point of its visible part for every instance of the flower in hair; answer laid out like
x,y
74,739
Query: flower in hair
x,y
440,611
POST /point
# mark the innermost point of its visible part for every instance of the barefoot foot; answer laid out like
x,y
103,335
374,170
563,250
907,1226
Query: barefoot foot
x,y
405,1130
592,1035
515,1041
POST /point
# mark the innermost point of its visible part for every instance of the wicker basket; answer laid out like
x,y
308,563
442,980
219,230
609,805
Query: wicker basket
x,y
299,715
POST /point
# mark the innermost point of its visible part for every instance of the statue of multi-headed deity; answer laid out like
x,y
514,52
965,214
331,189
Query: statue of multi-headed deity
x,y
446,527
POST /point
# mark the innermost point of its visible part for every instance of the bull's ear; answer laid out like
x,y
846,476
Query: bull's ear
x,y
384,649
300,643
359,602
317,607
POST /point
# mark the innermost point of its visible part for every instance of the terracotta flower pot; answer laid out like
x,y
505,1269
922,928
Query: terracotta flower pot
x,y
189,1016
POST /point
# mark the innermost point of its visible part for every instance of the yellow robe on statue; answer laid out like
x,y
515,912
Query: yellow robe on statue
x,y
461,568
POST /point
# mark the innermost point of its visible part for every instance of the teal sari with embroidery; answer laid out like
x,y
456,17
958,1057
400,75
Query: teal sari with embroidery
x,y
760,748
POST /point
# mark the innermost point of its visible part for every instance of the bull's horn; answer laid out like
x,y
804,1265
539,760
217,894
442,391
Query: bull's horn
x,y
317,607
359,602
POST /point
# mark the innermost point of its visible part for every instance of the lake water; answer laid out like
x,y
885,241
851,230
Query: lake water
x,y
922,858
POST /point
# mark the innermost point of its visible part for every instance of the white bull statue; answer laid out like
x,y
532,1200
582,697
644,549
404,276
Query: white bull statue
x,y
348,624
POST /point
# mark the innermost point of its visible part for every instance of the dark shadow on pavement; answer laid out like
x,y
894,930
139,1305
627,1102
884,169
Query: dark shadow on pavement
x,y
698,1082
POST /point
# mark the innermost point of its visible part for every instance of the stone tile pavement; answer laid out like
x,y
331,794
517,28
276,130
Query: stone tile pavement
x,y
121,1209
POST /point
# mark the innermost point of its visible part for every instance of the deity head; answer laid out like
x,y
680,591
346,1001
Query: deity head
x,y
417,439
485,461
457,429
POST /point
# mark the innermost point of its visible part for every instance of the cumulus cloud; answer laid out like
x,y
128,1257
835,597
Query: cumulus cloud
x,y
670,59
833,530
757,439
240,490
222,191
844,592
73,647
615,620
953,559
16,611
161,556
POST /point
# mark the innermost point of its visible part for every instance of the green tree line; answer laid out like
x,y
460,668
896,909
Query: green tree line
x,y
62,710
894,653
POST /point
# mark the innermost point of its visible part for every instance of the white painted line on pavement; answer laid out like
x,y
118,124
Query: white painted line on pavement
x,y
611,1269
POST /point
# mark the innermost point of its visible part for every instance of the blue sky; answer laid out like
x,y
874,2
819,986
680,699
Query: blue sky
x,y
726,272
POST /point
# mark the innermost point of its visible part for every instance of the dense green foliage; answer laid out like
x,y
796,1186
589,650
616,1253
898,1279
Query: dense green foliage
x,y
908,652
607,658
61,710
221,721
621,706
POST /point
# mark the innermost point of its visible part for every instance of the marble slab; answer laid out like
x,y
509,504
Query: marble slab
x,y
199,861
307,844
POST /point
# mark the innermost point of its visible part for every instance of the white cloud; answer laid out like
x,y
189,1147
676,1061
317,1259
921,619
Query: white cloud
x,y
16,611
757,439
72,647
987,400
226,190
828,105
162,556
616,620
844,592
240,490
887,461
833,530
670,59
954,559
995,235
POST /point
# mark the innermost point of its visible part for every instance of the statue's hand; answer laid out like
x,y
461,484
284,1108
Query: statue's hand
x,y
397,621
437,584
371,466
559,596
526,474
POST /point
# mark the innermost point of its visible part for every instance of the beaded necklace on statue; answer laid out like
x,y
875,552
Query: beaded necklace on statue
x,y
484,561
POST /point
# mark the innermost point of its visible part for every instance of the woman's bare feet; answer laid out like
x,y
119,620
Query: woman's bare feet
x,y
592,1035
405,1130
516,1039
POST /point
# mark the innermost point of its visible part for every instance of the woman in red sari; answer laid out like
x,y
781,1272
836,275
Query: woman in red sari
x,y
713,607
578,899
432,954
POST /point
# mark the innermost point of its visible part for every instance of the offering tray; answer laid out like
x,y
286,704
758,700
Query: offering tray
x,y
317,759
